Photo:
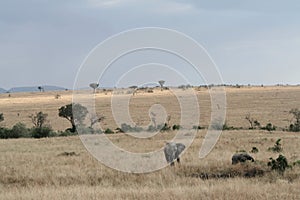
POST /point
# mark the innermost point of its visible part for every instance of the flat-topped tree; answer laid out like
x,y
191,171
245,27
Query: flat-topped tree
x,y
94,86
161,83
41,89
74,113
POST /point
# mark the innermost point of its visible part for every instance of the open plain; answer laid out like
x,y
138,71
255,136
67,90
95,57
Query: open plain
x,y
40,169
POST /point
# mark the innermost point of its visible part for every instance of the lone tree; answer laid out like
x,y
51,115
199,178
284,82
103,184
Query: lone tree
x,y
253,122
94,86
39,119
161,83
74,113
41,89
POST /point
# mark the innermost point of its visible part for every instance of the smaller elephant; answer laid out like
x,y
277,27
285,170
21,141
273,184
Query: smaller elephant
x,y
240,158
172,152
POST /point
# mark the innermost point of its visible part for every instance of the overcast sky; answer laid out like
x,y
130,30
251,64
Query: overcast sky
x,y
43,42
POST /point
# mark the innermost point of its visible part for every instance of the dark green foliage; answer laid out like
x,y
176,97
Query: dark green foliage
x,y
108,131
4,133
280,164
176,127
254,150
164,127
295,127
66,133
73,112
277,147
20,130
197,127
42,132
1,117
269,127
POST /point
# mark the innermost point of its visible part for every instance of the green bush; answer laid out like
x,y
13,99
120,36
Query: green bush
x,y
4,133
176,127
280,164
269,127
42,132
66,133
108,131
254,150
20,130
163,127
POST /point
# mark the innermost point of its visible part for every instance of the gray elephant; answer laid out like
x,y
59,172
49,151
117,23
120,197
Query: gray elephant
x,y
240,158
172,152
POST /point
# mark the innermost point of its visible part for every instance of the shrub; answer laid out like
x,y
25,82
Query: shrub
x,y
269,127
4,133
164,127
176,127
280,164
66,133
295,127
1,117
197,127
42,132
277,147
20,130
254,150
108,131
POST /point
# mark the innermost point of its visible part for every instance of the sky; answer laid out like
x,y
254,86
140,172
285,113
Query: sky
x,y
44,42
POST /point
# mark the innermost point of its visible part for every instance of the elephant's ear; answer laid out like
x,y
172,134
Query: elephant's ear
x,y
180,147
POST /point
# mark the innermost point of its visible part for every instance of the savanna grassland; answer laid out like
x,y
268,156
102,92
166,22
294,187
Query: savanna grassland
x,y
42,168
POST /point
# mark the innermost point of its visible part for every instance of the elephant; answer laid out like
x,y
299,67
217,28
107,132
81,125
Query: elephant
x,y
172,152
240,158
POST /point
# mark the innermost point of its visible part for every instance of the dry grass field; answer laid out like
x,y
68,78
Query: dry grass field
x,y
38,168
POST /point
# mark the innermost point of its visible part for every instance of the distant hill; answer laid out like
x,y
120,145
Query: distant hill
x,y
35,89
2,90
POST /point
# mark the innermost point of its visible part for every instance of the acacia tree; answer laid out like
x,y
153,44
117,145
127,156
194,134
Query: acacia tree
x,y
39,119
74,113
41,89
94,86
161,83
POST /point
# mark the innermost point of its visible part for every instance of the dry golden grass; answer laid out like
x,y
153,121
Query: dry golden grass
x,y
35,168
